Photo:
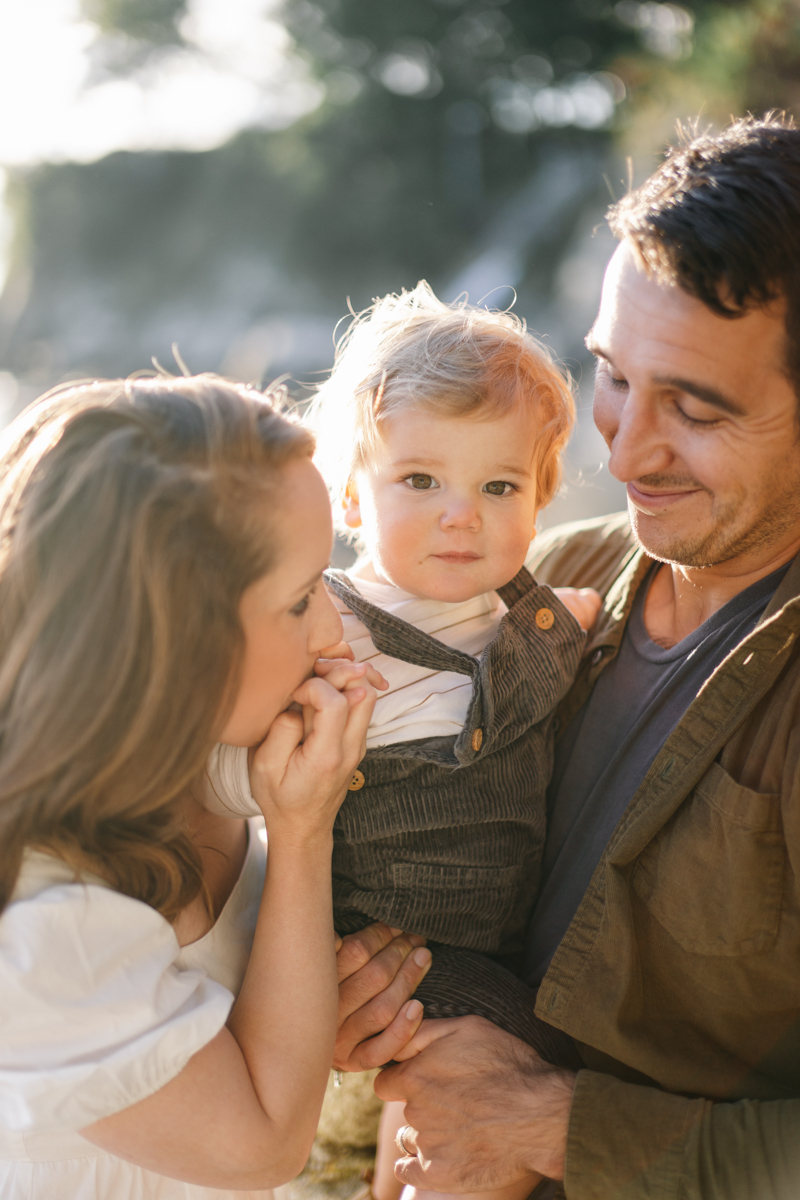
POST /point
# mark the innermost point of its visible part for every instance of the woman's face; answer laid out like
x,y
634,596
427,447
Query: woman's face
x,y
287,616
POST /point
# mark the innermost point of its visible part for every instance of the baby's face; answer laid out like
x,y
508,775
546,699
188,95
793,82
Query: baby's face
x,y
448,507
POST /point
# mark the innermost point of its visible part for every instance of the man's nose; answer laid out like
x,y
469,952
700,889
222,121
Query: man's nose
x,y
460,513
632,431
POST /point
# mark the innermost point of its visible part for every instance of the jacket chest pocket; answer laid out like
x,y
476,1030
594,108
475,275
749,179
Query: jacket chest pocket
x,y
713,877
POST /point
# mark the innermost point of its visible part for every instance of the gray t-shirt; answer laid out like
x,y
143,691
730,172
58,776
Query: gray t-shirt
x,y
609,746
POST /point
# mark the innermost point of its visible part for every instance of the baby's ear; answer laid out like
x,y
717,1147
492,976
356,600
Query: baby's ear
x,y
351,506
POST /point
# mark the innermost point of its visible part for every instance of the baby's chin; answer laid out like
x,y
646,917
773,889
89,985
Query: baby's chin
x,y
454,585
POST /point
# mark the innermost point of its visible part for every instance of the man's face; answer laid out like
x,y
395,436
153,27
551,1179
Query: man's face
x,y
701,422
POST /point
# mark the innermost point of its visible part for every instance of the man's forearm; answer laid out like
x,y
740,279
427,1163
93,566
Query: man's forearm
x,y
627,1142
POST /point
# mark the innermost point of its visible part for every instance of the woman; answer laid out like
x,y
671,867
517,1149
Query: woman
x,y
162,547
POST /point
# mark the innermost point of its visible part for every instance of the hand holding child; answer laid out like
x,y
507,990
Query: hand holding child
x,y
583,603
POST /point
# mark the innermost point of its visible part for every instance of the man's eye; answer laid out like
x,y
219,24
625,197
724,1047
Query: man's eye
x,y
498,487
420,482
615,381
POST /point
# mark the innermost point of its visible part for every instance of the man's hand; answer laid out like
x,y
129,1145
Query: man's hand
x,y
484,1110
583,603
379,969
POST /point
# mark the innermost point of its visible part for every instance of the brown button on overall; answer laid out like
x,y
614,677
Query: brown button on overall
x,y
544,618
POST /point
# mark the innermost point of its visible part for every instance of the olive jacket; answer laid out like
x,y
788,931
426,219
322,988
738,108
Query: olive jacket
x,y
679,976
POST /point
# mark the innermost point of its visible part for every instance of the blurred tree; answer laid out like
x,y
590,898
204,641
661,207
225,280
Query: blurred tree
x,y
439,117
153,21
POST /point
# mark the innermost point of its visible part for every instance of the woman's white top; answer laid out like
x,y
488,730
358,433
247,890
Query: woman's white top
x,y
99,1008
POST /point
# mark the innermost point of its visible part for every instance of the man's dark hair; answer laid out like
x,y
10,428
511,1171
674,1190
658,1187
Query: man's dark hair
x,y
721,219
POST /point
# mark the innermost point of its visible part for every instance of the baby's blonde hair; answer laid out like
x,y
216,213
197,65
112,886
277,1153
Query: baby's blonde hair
x,y
413,351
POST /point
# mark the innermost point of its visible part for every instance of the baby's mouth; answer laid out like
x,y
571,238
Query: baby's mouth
x,y
465,556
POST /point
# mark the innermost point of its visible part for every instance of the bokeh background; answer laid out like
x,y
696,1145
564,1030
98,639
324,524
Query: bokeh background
x,y
232,175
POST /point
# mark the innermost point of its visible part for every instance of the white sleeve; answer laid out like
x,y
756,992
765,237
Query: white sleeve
x,y
94,1013
225,784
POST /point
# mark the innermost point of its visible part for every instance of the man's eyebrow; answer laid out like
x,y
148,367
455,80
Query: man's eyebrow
x,y
708,395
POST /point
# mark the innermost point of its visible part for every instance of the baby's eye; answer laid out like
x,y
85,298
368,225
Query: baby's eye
x,y
498,487
421,482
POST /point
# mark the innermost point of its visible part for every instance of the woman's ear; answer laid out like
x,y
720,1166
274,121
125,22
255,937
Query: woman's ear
x,y
351,506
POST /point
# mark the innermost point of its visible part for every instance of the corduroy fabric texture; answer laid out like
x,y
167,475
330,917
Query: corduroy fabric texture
x,y
444,837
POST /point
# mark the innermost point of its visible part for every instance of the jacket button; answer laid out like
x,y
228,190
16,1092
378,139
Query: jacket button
x,y
597,657
477,740
357,782
544,618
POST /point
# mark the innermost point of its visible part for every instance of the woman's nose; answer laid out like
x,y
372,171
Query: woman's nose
x,y
327,629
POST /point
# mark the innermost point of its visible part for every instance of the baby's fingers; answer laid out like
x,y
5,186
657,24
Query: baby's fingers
x,y
330,712
340,650
342,674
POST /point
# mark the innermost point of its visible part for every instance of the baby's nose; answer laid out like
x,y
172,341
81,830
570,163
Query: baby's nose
x,y
460,514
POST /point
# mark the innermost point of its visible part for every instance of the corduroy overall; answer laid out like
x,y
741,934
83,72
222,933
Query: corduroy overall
x,y
444,836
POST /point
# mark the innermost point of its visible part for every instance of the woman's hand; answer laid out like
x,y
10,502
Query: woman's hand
x,y
299,773
379,969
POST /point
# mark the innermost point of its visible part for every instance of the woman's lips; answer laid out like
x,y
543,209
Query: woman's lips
x,y
455,557
653,502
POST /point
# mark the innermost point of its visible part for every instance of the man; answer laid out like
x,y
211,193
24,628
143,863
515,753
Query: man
x,y
666,938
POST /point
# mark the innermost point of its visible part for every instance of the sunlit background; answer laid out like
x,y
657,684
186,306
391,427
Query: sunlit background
x,y
232,175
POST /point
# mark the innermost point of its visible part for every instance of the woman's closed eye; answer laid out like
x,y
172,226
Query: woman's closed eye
x,y
298,609
499,487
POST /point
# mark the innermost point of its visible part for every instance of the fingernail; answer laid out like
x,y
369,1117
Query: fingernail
x,y
412,1010
422,957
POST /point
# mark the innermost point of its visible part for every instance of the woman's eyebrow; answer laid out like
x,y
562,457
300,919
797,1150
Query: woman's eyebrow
x,y
310,583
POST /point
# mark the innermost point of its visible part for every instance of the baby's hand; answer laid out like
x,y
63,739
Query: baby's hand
x,y
343,674
583,603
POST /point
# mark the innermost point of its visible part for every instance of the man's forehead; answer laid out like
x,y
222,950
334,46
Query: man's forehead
x,y
659,326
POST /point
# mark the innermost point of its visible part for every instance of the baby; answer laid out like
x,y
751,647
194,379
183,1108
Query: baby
x,y
440,432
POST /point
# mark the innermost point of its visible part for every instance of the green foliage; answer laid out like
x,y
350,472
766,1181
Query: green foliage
x,y
437,113
147,20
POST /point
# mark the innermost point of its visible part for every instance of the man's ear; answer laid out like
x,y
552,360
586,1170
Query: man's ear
x,y
351,506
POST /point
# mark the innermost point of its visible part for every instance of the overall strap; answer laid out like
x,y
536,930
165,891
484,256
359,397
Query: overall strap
x,y
398,638
522,583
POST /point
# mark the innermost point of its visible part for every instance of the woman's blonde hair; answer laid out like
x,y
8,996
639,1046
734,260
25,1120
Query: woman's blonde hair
x,y
413,351
132,518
